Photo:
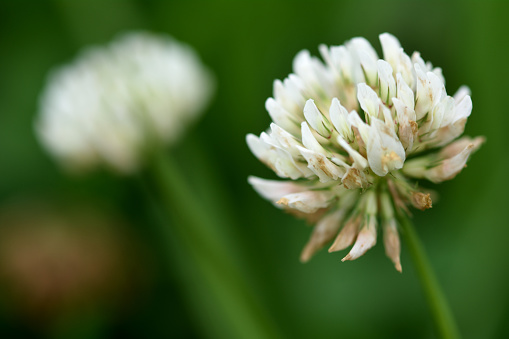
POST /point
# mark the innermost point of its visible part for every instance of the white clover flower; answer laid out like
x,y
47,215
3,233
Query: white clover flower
x,y
115,102
356,130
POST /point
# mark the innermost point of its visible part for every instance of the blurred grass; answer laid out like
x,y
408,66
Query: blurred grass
x,y
248,45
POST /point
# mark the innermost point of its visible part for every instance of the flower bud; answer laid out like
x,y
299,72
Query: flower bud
x,y
421,201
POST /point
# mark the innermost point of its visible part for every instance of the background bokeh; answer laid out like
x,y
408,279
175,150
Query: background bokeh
x,y
247,44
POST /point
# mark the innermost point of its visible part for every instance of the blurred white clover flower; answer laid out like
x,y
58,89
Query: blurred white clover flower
x,y
353,131
113,103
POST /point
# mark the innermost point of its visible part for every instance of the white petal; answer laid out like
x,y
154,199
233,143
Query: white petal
x,y
438,72
258,148
316,77
364,129
285,166
368,64
308,201
361,44
462,92
390,47
386,81
279,160
406,69
285,140
449,168
435,111
289,95
385,152
359,161
375,155
449,132
282,117
437,87
388,118
463,109
340,161
407,126
343,61
423,95
326,54
403,112
317,120
339,117
361,51
368,100
444,108
405,93
325,169
302,65
459,145
310,141
416,59
274,190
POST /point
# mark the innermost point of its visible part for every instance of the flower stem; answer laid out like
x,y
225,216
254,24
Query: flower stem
x,y
437,302
215,262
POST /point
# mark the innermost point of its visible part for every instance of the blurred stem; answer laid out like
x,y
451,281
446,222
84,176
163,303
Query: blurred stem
x,y
212,260
437,302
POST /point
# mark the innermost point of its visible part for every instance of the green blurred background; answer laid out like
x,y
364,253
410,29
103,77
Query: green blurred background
x,y
131,292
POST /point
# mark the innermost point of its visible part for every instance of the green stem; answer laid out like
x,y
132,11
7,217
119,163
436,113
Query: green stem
x,y
437,302
212,258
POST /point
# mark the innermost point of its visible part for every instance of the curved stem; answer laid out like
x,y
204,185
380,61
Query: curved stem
x,y
437,303
212,257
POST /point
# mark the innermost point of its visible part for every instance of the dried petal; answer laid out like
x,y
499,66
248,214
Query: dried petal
x,y
347,235
365,240
421,201
324,231
392,243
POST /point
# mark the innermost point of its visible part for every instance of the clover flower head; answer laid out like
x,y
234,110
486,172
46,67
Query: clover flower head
x,y
353,133
113,103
